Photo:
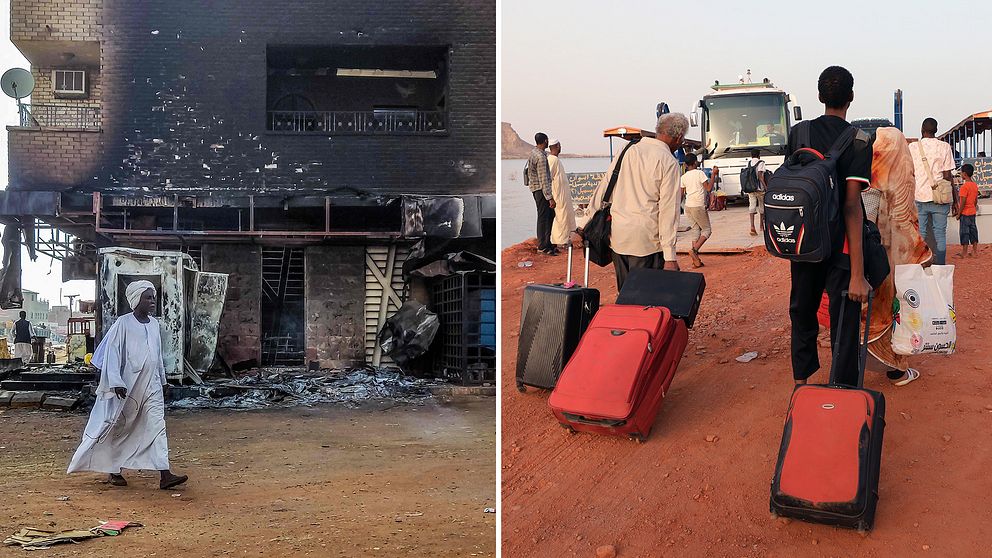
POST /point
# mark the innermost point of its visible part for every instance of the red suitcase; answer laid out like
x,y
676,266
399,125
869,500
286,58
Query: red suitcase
x,y
830,457
616,380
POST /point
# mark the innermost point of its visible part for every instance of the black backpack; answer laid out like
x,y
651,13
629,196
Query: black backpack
x,y
802,209
749,179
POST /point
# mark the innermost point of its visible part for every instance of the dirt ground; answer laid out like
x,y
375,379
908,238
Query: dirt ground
x,y
381,480
679,495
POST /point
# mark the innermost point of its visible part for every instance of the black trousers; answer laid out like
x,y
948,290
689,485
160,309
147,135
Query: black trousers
x,y
545,219
808,283
623,264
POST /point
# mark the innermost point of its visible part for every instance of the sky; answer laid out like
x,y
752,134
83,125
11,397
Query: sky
x,y
45,275
574,68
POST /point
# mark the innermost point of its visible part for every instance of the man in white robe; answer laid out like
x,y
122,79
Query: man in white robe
x,y
126,429
564,223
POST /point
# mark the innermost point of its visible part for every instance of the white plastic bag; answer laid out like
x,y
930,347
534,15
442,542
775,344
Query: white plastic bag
x,y
923,310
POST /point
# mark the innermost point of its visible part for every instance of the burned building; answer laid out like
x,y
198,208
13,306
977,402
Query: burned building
x,y
315,152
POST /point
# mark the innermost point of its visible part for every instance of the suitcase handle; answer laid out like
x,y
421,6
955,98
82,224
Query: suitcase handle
x,y
863,346
568,275
579,419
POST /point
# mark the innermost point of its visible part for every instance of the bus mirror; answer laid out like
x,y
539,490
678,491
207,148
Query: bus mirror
x,y
797,112
694,119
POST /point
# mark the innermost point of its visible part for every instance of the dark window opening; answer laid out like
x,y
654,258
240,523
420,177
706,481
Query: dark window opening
x,y
357,90
282,307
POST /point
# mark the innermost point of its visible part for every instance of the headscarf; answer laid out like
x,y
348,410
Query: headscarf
x,y
135,290
892,175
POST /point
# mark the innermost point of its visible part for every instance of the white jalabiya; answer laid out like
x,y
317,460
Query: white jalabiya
x,y
129,433
564,222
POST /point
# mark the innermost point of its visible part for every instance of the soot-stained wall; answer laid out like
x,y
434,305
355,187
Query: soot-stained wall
x,y
184,97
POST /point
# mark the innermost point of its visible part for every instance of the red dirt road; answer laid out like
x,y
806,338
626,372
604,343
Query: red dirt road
x,y
679,495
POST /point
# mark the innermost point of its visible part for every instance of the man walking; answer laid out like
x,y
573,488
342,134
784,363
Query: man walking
x,y
844,269
564,223
645,202
756,200
539,181
126,429
937,155
22,338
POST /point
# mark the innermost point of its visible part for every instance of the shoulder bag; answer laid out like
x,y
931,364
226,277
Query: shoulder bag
x,y
941,188
597,231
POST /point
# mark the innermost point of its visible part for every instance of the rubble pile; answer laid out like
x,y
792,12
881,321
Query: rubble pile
x,y
268,388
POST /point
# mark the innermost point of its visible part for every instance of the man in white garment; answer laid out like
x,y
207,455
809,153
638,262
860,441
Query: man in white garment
x,y
564,224
126,429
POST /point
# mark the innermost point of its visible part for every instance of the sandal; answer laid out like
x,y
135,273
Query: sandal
x,y
116,480
911,374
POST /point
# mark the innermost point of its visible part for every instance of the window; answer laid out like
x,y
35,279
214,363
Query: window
x,y
69,83
357,90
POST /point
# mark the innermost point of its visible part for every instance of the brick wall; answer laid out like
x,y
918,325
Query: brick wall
x,y
185,82
46,160
69,20
44,91
239,337
335,305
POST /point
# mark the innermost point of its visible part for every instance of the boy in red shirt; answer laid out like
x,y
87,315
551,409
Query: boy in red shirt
x,y
967,212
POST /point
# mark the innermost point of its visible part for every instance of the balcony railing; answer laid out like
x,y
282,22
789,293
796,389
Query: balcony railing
x,y
357,122
60,116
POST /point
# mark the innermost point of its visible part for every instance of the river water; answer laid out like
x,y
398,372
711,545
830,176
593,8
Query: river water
x,y
519,214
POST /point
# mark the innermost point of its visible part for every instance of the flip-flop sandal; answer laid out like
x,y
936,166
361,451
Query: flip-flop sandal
x,y
754,233
911,374
175,481
117,480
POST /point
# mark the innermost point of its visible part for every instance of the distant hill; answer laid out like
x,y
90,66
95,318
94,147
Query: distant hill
x,y
513,147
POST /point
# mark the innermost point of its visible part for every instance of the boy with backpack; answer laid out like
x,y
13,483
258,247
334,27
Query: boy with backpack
x,y
753,184
825,249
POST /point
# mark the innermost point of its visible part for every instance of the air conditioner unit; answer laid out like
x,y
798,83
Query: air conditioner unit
x,y
69,83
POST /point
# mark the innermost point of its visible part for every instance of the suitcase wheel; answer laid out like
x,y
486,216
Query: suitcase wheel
x,y
521,387
569,428
639,438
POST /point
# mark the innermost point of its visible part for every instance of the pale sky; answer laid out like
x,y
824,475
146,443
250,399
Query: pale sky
x,y
572,69
45,275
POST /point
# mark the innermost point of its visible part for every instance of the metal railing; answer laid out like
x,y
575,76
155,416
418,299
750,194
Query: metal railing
x,y
357,122
60,116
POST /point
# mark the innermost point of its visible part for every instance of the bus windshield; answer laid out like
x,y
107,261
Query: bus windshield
x,y
739,123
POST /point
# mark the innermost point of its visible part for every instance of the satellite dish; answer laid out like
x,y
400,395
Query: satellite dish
x,y
17,83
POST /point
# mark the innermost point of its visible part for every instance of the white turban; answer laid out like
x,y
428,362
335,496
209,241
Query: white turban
x,y
135,290
554,142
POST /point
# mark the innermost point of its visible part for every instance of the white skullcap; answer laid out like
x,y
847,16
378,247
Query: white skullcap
x,y
135,290
554,142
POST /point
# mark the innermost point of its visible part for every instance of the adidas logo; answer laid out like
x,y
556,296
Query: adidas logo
x,y
784,233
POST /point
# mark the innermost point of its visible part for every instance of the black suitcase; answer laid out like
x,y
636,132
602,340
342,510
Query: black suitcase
x,y
830,457
552,321
679,291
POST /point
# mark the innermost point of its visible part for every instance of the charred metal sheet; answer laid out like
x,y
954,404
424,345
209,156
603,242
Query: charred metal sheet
x,y
120,266
23,204
456,262
439,217
206,306
10,275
